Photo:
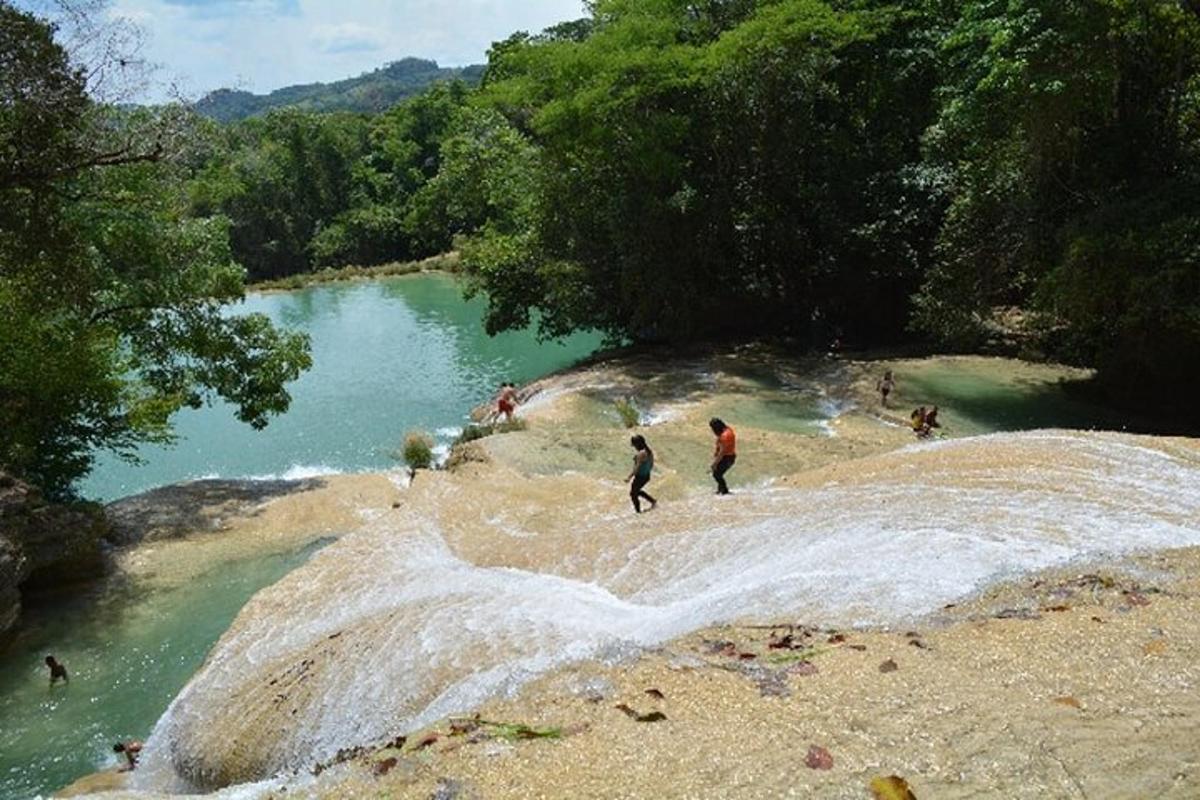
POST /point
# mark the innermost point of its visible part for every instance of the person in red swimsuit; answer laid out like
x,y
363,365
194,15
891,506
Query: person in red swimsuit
x,y
506,404
725,453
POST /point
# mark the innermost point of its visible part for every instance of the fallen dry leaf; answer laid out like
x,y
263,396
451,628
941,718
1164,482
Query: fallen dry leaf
x,y
1056,608
1068,701
653,716
859,647
837,638
425,741
818,758
893,787
656,694
888,666
1157,647
385,766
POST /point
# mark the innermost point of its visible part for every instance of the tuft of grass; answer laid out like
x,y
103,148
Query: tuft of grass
x,y
417,451
627,411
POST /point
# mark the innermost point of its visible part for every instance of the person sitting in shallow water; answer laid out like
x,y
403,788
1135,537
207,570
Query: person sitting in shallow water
x,y
57,671
643,465
131,750
919,425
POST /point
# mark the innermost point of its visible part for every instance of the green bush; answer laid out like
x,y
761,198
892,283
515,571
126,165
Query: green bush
x,y
418,450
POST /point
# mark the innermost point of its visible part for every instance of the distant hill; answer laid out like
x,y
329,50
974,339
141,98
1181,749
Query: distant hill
x,y
371,91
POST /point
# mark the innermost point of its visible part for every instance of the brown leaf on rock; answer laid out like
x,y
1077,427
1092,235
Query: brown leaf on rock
x,y
859,647
917,643
818,758
1156,647
747,656
837,638
425,741
1068,700
656,694
653,716
888,666
461,727
1056,608
787,642
893,787
385,766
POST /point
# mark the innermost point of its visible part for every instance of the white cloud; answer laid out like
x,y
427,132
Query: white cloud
x,y
347,37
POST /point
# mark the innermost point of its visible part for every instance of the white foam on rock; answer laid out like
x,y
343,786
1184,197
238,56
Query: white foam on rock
x,y
933,523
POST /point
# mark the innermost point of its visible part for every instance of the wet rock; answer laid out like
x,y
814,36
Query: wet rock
x,y
44,545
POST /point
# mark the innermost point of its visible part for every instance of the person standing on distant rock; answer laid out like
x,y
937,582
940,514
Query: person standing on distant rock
x,y
131,750
643,465
886,386
57,671
506,403
725,453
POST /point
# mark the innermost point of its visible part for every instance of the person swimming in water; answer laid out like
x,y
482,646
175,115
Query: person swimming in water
x,y
886,385
57,671
643,465
724,454
131,750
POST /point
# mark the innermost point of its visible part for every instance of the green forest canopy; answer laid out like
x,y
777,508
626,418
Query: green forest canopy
x,y
666,170
876,171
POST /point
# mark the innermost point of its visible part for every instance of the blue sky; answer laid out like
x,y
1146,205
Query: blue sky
x,y
260,45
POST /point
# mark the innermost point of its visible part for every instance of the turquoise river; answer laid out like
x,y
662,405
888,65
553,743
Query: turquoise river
x,y
389,356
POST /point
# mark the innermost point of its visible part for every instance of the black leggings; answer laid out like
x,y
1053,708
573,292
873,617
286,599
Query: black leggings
x,y
636,494
718,473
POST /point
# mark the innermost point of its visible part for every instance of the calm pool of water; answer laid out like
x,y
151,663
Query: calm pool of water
x,y
388,356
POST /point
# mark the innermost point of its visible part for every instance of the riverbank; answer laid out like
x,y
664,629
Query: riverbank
x,y
446,262
523,574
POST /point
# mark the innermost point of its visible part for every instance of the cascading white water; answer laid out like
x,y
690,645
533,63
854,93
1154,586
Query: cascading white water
x,y
393,628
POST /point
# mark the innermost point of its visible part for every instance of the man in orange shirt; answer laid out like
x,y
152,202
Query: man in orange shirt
x,y
725,453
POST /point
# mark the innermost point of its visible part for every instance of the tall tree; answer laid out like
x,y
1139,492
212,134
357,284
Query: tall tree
x,y
111,298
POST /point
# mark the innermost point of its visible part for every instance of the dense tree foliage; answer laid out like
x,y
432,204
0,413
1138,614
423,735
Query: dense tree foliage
x,y
111,294
870,169
1068,142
